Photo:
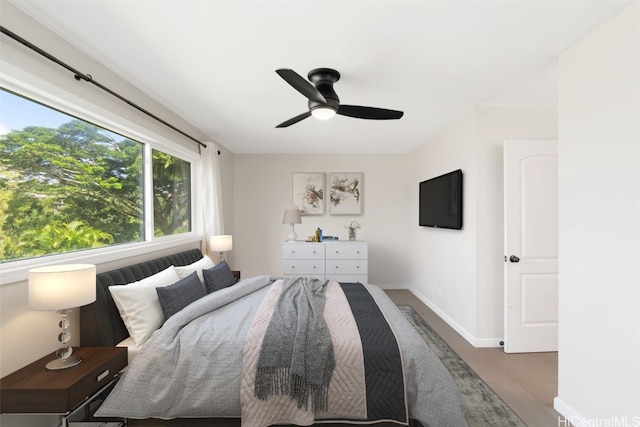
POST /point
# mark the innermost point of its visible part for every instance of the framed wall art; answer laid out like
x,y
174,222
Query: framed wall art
x,y
308,192
345,192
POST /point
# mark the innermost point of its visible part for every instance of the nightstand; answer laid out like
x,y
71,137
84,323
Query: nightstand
x,y
236,275
66,392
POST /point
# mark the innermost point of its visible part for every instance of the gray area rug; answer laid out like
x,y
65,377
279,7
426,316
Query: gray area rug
x,y
482,407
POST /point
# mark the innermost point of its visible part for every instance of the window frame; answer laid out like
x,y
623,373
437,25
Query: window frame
x,y
50,95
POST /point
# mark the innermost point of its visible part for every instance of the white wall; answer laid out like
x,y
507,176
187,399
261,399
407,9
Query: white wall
x,y
599,173
443,262
459,274
263,190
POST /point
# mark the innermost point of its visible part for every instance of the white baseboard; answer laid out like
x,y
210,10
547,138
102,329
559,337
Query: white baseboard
x,y
392,286
571,416
476,342
488,342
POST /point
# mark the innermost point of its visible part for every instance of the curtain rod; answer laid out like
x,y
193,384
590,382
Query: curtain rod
x,y
87,77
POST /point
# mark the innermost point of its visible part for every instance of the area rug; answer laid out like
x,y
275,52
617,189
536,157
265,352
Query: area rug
x,y
482,407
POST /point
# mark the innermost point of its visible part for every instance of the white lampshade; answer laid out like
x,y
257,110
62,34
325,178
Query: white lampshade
x,y
292,216
221,243
61,287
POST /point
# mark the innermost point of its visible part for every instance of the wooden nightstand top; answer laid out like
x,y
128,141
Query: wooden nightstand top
x,y
34,389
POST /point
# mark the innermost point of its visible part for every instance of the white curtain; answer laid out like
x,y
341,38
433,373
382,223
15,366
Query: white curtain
x,y
212,220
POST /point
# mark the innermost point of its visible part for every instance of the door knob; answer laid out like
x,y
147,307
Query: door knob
x,y
514,258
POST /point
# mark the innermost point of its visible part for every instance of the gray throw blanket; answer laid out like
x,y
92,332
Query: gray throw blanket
x,y
296,357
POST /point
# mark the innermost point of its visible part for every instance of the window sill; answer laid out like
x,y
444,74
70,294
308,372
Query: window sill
x,y
16,271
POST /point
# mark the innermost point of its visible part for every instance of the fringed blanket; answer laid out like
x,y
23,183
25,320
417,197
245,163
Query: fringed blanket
x,y
296,357
367,382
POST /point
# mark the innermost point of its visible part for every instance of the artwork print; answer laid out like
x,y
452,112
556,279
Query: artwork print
x,y
345,191
308,192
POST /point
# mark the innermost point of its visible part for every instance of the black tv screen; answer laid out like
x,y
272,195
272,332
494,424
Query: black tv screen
x,y
441,201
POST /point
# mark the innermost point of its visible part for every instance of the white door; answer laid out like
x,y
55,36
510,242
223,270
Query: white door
x,y
531,246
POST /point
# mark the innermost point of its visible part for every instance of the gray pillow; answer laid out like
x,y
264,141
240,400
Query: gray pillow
x,y
218,277
174,298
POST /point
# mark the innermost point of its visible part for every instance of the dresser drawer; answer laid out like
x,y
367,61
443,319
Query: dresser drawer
x,y
302,251
303,267
346,251
293,276
348,278
346,266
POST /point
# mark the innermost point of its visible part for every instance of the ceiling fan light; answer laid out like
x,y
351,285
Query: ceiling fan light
x,y
323,113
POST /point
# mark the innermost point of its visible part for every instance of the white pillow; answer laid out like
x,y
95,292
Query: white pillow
x,y
202,264
139,306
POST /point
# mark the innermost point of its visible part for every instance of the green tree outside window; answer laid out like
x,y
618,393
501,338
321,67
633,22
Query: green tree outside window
x,y
79,186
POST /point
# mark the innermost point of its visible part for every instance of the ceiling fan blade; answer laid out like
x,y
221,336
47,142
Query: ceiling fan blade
x,y
294,120
371,113
300,84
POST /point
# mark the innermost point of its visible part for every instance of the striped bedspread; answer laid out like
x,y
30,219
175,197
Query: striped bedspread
x,y
368,382
192,366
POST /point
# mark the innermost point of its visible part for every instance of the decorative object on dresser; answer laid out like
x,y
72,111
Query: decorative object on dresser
x,y
62,288
352,227
36,390
221,243
308,192
292,216
345,193
341,261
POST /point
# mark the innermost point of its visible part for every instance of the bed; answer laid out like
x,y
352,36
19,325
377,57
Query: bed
x,y
209,358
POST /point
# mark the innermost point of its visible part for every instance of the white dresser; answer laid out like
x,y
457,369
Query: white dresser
x,y
342,261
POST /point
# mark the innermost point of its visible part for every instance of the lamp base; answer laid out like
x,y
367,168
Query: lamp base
x,y
292,236
57,364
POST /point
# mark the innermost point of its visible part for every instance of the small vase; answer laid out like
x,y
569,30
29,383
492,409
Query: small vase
x,y
352,234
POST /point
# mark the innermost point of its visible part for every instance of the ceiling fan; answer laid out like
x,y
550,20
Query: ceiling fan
x,y
323,100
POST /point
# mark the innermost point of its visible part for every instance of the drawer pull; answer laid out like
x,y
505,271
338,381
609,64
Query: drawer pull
x,y
103,375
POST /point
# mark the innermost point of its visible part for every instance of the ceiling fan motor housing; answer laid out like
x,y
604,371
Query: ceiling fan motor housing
x,y
323,79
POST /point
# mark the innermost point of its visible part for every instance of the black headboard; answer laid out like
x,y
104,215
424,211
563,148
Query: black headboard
x,y
100,322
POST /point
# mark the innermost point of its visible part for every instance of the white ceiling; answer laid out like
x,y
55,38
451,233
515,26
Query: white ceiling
x,y
214,62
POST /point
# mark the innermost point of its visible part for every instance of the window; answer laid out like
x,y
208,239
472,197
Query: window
x,y
171,194
69,185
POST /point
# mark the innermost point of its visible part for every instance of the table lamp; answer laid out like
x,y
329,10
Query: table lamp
x,y
221,243
61,288
292,216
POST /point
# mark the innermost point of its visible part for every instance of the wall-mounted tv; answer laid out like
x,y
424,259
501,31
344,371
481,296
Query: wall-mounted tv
x,y
441,201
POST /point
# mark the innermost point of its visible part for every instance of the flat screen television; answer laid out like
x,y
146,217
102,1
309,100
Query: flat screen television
x,y
441,201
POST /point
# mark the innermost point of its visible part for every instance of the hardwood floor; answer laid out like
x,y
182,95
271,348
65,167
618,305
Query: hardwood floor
x,y
526,382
